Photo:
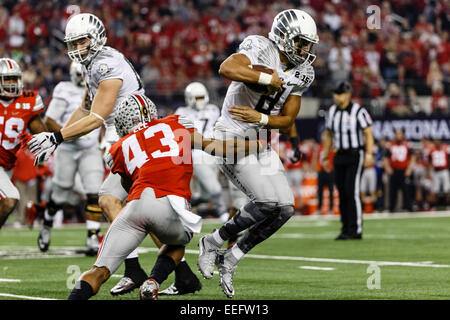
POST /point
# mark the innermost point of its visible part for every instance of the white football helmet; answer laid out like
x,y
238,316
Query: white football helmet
x,y
10,70
295,26
84,26
133,111
76,74
196,95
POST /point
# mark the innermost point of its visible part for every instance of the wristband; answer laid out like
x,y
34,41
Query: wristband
x,y
264,78
58,137
97,116
264,119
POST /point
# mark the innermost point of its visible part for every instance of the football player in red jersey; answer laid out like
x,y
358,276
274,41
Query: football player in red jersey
x,y
154,160
438,165
19,110
398,163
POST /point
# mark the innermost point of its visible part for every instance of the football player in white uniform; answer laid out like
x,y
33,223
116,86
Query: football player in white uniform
x,y
110,78
289,52
81,156
204,116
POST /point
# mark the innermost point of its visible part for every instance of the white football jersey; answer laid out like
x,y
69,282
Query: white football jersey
x,y
67,97
262,51
204,120
111,64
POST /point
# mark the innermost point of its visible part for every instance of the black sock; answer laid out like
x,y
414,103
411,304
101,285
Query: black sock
x,y
134,271
163,267
48,223
184,275
81,291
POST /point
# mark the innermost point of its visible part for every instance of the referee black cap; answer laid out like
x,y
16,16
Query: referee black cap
x,y
342,87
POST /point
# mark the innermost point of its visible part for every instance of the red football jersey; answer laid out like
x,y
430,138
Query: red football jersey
x,y
439,156
14,119
156,155
399,155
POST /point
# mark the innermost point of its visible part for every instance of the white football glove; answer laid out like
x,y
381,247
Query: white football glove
x,y
43,144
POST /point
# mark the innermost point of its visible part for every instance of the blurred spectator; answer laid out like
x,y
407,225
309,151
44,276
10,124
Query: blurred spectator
x,y
340,62
16,29
439,100
390,60
413,102
434,75
395,102
331,18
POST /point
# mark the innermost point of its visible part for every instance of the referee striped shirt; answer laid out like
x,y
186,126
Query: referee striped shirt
x,y
347,125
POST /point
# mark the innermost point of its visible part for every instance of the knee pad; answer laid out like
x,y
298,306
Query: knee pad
x,y
92,208
286,212
267,208
265,228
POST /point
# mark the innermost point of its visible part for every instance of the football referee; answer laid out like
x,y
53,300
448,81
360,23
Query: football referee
x,y
348,128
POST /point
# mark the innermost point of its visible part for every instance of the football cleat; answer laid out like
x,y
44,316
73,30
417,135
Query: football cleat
x,y
149,290
44,238
207,256
174,290
125,285
226,264
92,246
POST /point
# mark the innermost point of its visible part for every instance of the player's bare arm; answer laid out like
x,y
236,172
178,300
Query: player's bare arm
x,y
283,122
102,106
36,125
237,67
222,148
51,124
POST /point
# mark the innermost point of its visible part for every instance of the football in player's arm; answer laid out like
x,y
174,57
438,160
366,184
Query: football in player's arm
x,y
237,68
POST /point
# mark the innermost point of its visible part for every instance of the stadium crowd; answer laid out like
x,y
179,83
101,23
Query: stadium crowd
x,y
171,43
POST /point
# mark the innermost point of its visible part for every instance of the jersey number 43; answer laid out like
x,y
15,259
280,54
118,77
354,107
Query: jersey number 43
x,y
140,156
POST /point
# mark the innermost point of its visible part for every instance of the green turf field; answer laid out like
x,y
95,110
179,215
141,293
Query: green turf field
x,y
301,261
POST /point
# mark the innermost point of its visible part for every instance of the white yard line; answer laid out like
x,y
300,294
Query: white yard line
x,y
10,280
141,250
316,268
23,297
